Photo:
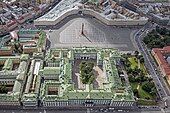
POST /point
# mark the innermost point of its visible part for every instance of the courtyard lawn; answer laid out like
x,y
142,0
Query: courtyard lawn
x,y
144,97
144,69
133,61
142,94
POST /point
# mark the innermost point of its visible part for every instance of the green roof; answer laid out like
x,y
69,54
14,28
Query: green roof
x,y
17,86
29,97
67,88
94,1
5,48
41,39
9,97
21,32
24,57
8,64
51,71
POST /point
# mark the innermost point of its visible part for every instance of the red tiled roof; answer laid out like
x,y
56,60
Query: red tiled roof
x,y
11,23
21,18
160,53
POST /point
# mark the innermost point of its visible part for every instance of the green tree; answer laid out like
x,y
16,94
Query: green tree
x,y
136,53
141,59
132,78
129,70
3,89
153,91
167,40
86,72
148,86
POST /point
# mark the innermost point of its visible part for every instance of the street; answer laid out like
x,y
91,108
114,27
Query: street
x,y
76,111
150,64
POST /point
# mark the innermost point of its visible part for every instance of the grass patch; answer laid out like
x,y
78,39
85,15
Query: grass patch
x,y
143,94
146,102
134,85
136,81
144,69
134,63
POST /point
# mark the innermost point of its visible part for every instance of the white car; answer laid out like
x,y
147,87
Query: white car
x,y
50,30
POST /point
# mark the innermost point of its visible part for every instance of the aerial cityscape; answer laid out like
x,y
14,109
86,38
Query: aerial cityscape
x,y
84,56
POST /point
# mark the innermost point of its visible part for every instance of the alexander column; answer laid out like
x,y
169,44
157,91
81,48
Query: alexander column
x,y
82,29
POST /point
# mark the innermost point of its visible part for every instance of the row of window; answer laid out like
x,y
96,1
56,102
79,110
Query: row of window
x,y
80,102
7,82
9,103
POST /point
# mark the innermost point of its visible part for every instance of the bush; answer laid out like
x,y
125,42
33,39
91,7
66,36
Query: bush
x,y
153,39
132,79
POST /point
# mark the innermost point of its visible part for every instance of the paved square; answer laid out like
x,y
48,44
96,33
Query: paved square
x,y
73,33
97,34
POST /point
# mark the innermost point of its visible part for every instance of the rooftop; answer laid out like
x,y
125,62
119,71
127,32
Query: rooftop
x,y
161,54
17,76
51,70
28,39
108,9
111,88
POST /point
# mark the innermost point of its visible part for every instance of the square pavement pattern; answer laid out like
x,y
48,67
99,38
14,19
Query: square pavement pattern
x,y
73,33
96,34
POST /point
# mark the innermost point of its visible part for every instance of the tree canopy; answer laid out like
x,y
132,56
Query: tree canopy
x,y
149,87
159,37
86,72
3,89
